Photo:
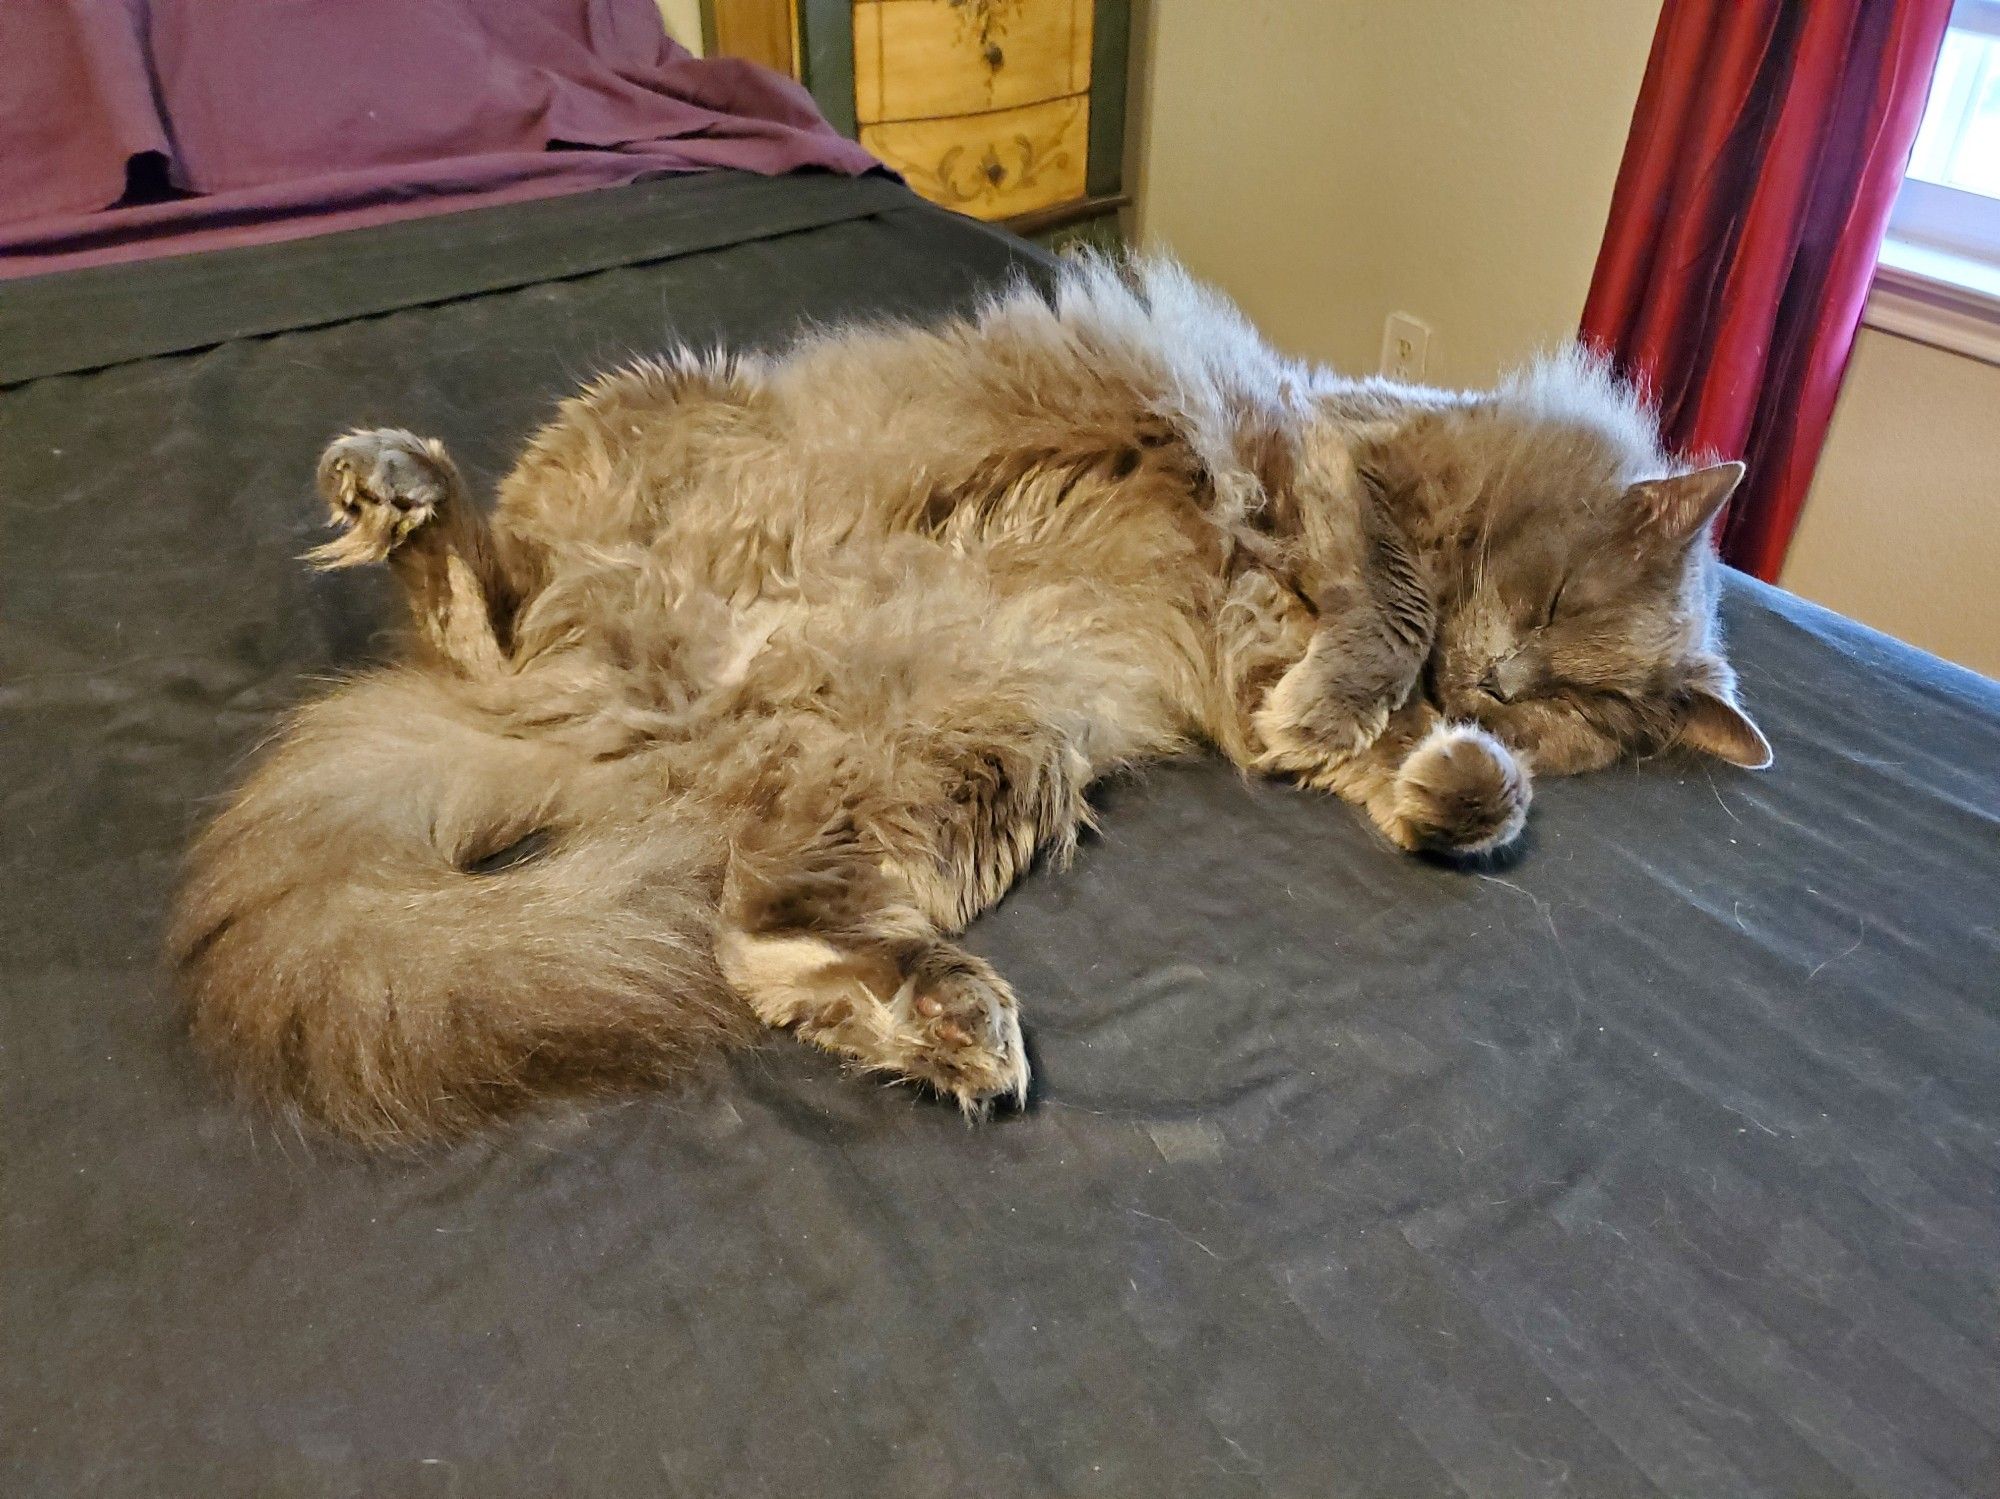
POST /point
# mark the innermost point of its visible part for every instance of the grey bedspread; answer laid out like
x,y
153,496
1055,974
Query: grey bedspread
x,y
1666,1161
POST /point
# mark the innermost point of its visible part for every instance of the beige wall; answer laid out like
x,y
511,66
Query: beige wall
x,y
1331,161
683,18
1902,528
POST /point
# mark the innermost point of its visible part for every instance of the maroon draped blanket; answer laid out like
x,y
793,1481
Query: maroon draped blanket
x,y
131,128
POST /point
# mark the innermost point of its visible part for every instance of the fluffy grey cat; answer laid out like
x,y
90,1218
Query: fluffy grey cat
x,y
766,676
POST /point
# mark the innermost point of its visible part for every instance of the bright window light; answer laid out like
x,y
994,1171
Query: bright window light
x,y
1950,200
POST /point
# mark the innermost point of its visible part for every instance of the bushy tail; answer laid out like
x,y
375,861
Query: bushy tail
x,y
408,922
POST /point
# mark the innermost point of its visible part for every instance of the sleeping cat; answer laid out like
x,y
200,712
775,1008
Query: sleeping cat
x,y
767,675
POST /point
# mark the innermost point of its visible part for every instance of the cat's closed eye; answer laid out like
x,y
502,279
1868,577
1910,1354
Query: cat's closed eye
x,y
1555,604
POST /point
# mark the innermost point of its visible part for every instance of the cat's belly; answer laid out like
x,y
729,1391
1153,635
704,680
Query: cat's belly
x,y
749,637
894,633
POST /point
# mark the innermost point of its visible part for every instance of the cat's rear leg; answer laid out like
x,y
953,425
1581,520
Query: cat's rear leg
x,y
923,1010
1005,794
843,936
822,943
398,497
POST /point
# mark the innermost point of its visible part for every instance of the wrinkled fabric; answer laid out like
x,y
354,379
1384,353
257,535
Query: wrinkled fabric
x,y
1663,1161
143,127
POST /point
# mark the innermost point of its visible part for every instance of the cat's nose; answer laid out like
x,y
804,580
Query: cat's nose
x,y
1507,678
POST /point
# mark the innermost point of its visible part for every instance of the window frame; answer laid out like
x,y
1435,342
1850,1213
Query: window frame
x,y
1938,277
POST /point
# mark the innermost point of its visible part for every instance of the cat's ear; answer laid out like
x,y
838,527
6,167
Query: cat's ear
x,y
1716,726
1679,509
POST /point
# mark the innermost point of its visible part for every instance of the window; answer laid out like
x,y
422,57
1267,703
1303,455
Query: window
x,y
1939,277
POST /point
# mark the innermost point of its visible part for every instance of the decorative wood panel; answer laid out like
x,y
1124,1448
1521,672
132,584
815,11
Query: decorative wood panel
x,y
993,165
921,59
1004,109
765,31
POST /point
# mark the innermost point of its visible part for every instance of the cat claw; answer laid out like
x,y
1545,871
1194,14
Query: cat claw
x,y
380,486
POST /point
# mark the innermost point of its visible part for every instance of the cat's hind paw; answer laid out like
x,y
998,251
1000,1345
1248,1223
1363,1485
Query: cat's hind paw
x,y
958,1031
380,487
919,1011
1460,792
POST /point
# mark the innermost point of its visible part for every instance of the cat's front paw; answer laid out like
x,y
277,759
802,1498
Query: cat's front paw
x,y
1313,718
1460,792
380,486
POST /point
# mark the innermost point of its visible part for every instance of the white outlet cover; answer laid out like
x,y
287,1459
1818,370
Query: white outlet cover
x,y
1406,346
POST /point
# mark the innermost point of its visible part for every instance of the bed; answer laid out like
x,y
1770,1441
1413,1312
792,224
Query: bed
x,y
1665,1160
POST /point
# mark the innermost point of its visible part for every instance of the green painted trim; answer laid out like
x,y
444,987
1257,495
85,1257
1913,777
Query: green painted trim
x,y
1110,60
1099,232
826,59
708,48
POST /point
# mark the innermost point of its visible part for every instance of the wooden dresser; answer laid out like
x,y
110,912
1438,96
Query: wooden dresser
x,y
1009,110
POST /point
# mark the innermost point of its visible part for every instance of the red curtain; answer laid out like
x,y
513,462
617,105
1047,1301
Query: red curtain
x,y
1766,151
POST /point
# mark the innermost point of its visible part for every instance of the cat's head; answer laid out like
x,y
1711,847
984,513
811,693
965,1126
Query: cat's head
x,y
1577,578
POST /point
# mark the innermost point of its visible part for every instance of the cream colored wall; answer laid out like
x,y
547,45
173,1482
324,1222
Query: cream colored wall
x,y
683,18
1331,161
1902,528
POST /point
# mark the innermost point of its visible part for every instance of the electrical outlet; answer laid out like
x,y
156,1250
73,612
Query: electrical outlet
x,y
1406,346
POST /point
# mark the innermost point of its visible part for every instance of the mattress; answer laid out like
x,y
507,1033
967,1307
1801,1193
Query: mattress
x,y
1663,1160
